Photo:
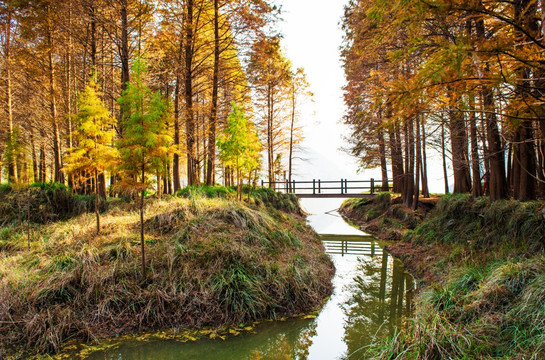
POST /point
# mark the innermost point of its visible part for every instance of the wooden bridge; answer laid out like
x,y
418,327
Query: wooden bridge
x,y
351,245
328,189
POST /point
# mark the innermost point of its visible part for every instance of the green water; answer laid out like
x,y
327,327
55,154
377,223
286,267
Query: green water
x,y
372,292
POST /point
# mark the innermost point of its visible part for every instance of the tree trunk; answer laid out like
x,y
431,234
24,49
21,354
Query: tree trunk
x,y
43,170
53,111
190,121
34,157
292,127
211,162
424,164
477,189
142,248
460,163
270,145
97,203
409,164
383,165
125,66
397,159
444,156
12,164
418,161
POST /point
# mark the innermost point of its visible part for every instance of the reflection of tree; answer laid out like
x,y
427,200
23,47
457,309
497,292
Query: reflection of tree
x,y
287,345
376,305
305,341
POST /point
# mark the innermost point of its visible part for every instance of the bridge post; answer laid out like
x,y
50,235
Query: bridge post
x,y
293,187
372,186
313,186
346,186
262,183
319,186
286,186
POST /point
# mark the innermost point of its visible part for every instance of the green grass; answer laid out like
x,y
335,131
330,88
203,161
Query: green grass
x,y
211,261
490,300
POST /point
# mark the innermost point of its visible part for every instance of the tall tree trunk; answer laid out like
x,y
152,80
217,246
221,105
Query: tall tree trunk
x,y
444,157
424,164
176,158
523,149
211,162
409,164
12,164
418,162
292,129
53,108
494,153
383,165
477,189
189,116
397,159
43,175
34,158
460,163
69,51
270,144
142,248
125,65
97,203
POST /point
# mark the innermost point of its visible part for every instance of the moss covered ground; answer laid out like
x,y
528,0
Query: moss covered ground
x,y
211,261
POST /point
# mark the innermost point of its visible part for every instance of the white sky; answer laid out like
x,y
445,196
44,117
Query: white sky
x,y
312,38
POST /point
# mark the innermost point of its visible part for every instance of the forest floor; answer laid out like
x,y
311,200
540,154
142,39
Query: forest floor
x,y
481,273
211,262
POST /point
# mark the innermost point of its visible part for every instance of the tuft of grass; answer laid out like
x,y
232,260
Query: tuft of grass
x,y
212,261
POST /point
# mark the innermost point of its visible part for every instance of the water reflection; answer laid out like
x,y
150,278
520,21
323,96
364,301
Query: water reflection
x,y
381,296
372,292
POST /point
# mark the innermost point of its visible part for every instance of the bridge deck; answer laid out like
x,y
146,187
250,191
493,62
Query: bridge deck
x,y
328,189
343,196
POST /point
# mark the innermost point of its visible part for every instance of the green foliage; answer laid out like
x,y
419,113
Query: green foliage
x,y
94,135
145,142
280,201
14,148
239,145
206,191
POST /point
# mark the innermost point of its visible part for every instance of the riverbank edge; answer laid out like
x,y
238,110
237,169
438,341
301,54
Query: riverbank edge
x,y
275,229
481,273
386,219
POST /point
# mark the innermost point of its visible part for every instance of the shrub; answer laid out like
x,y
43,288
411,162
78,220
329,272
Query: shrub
x,y
206,191
43,203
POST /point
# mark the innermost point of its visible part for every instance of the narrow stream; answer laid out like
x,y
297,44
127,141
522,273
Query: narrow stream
x,y
372,292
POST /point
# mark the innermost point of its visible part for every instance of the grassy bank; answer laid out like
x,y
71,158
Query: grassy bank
x,y
211,261
484,293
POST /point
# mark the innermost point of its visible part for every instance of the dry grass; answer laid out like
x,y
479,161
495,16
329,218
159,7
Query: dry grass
x,y
210,262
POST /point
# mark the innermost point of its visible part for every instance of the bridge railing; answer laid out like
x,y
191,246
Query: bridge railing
x,y
316,187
